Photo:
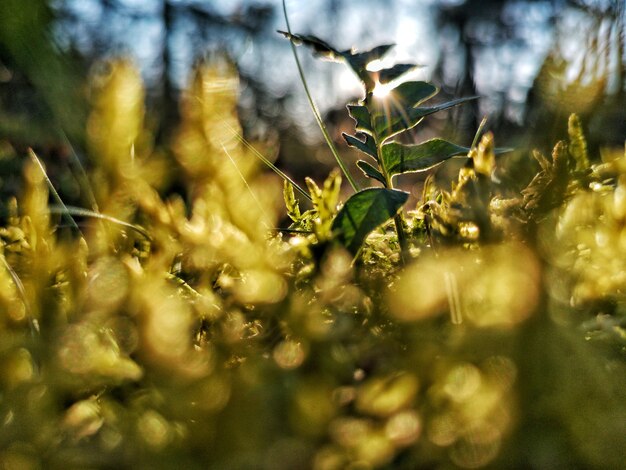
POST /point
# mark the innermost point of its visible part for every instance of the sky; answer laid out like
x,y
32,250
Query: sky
x,y
504,70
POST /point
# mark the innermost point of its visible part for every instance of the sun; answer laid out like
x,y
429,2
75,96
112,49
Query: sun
x,y
381,90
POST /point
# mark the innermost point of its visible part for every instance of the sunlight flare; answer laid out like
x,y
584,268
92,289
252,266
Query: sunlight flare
x,y
382,90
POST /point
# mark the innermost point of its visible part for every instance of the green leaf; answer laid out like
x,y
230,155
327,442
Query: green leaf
x,y
395,106
370,171
411,94
368,147
358,61
395,120
365,211
320,48
362,117
390,74
400,158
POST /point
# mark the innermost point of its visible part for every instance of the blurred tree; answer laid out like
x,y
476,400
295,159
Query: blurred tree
x,y
479,38
481,48
42,98
457,19
41,88
591,82
175,31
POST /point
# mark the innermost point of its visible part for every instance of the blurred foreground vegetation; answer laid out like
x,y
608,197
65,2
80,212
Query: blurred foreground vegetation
x,y
151,329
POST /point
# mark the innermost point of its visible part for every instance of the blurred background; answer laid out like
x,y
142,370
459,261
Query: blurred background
x,y
531,62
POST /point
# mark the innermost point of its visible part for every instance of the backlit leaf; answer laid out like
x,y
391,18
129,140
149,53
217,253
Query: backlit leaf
x,y
396,106
409,95
358,61
362,117
394,120
368,146
320,48
370,171
365,211
390,74
400,158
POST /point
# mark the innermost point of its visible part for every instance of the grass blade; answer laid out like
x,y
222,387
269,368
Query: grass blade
x,y
80,212
273,167
53,191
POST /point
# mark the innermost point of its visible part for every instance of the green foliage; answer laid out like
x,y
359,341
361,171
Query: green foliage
x,y
399,158
356,61
370,171
325,202
578,144
365,211
291,203
368,146
388,122
381,118
548,188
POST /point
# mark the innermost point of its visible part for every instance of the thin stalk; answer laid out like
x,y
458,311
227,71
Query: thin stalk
x,y
479,132
316,113
81,176
273,167
183,284
243,178
454,299
404,246
292,230
80,212
54,192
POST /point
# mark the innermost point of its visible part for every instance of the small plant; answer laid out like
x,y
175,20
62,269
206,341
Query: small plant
x,y
389,108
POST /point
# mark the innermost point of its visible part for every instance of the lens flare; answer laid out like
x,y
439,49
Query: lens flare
x,y
382,91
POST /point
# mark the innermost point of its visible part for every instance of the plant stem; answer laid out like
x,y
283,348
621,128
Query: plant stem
x,y
316,113
479,132
398,218
404,246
